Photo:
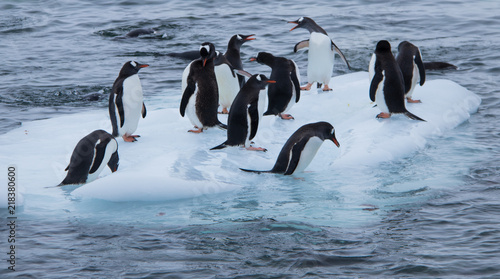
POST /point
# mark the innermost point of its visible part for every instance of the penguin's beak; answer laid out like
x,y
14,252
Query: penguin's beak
x,y
253,58
335,141
270,81
294,22
204,62
143,65
248,38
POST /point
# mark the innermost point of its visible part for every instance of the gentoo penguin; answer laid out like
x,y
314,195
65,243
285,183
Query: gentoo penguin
x,y
227,82
233,52
200,97
125,101
286,91
301,147
412,67
387,86
90,156
243,119
321,53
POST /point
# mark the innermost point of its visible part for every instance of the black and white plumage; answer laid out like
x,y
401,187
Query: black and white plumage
x,y
387,85
412,67
126,104
233,54
301,147
243,119
227,82
200,98
320,55
286,91
90,157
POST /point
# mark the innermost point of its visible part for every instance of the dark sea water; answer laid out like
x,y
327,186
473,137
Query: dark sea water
x,y
61,57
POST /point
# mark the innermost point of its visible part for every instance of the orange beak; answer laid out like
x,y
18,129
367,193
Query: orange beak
x,y
253,58
143,65
294,22
335,141
249,38
204,62
271,81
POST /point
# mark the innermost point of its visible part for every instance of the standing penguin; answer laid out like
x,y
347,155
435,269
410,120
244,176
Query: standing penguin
x,y
243,119
229,83
125,102
200,97
90,156
286,91
301,147
410,62
321,53
387,84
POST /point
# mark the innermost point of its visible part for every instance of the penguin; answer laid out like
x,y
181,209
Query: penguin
x,y
140,31
286,91
200,98
126,103
387,85
412,67
301,147
90,156
227,82
429,66
233,52
243,118
321,53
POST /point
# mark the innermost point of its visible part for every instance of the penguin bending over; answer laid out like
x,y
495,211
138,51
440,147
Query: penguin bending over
x,y
286,91
301,147
90,156
126,101
320,55
243,118
200,98
412,67
387,85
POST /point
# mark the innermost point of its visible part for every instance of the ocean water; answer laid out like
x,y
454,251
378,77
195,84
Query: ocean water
x,y
431,213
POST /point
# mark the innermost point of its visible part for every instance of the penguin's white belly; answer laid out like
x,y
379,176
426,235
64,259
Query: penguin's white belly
x,y
249,129
415,78
191,110
320,55
228,85
111,147
132,100
308,153
380,97
371,67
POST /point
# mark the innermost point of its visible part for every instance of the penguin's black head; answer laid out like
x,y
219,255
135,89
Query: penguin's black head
x,y
131,68
262,57
261,80
207,51
307,23
328,132
239,39
114,161
383,46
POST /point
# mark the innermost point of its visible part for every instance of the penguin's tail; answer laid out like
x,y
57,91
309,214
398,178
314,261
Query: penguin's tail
x,y
269,113
413,116
220,146
256,171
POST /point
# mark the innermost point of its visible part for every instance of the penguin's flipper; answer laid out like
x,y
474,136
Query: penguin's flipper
x,y
413,116
334,47
301,45
144,112
294,75
254,171
296,151
220,146
421,68
67,168
188,92
222,126
242,73
254,118
119,106
376,80
100,149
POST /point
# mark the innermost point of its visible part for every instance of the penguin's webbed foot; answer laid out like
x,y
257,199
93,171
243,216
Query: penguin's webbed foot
x,y
224,111
256,148
285,116
383,115
326,88
197,131
130,138
307,87
410,100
